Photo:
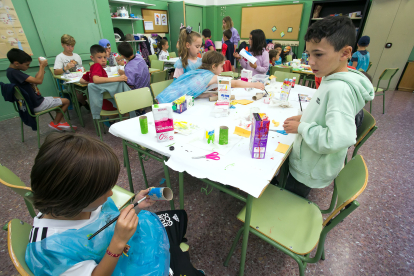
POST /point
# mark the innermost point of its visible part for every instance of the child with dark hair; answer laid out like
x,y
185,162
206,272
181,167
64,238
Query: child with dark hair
x,y
273,57
97,73
257,42
278,47
327,127
360,59
163,46
110,56
195,82
20,61
136,69
227,49
208,44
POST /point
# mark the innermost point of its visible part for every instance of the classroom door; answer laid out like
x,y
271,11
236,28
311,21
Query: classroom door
x,y
194,17
389,22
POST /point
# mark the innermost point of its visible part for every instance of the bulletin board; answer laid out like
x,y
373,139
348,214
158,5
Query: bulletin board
x,y
277,22
11,31
159,19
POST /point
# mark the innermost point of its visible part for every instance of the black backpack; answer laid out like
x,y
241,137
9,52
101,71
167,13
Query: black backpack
x,y
121,34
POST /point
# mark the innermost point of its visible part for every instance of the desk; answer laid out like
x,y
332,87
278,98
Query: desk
x,y
171,60
235,168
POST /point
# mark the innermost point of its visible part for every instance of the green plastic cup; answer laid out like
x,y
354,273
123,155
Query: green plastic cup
x,y
168,57
143,122
224,135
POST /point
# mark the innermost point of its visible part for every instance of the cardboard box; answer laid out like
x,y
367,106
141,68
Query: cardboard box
x,y
163,120
224,88
258,136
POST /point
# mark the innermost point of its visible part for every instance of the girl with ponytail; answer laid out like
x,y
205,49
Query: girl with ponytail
x,y
163,46
189,45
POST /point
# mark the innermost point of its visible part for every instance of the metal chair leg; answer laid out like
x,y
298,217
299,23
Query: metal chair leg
x,y
383,103
38,132
233,247
21,127
370,107
126,157
143,169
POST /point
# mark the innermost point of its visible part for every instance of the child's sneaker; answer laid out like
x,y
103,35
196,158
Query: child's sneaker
x,y
66,126
55,127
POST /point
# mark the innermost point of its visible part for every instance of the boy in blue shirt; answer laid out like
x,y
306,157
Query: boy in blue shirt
x,y
360,59
327,127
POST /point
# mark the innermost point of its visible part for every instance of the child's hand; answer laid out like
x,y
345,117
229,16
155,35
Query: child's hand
x,y
126,225
121,72
42,62
254,66
236,55
122,78
291,126
146,203
259,85
70,65
294,118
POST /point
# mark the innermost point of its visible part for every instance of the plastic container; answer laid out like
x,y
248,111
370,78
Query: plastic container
x,y
260,78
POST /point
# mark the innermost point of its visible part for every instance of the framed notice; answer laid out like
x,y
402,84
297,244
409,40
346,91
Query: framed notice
x,y
155,21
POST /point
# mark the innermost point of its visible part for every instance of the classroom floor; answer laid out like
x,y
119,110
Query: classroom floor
x,y
375,240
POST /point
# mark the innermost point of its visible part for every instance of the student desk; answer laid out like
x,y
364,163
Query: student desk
x,y
235,168
171,60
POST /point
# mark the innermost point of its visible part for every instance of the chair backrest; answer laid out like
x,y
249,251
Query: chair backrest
x,y
18,94
151,58
283,69
12,181
132,100
157,64
227,74
281,76
173,55
368,123
18,233
158,87
289,58
158,76
369,65
350,183
387,75
91,63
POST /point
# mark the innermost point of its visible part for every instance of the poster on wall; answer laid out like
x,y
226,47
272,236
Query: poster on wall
x,y
157,19
164,19
149,25
11,31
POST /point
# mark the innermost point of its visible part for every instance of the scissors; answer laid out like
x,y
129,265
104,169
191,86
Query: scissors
x,y
279,131
213,156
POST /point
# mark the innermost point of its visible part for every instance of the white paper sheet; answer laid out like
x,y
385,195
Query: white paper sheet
x,y
149,25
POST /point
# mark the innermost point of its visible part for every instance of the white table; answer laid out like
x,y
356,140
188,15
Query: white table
x,y
235,168
171,60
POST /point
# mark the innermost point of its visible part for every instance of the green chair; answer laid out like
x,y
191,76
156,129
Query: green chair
x,y
104,113
289,58
157,88
152,58
387,75
274,69
281,76
173,55
311,81
369,65
129,101
158,76
232,74
295,225
17,240
91,63
120,196
157,64
367,128
21,100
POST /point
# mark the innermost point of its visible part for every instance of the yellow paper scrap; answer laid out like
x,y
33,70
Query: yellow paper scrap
x,y
243,102
282,148
276,124
242,132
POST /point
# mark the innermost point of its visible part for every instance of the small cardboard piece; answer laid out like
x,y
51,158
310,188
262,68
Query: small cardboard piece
x,y
242,132
282,148
243,102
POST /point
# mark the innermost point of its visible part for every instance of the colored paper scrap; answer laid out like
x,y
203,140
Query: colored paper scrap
x,y
276,124
274,28
290,29
282,148
282,34
242,132
243,102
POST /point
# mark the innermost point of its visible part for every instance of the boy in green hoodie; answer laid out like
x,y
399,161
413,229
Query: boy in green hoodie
x,y
327,127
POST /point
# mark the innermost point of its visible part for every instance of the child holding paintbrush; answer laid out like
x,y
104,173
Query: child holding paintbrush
x,y
72,181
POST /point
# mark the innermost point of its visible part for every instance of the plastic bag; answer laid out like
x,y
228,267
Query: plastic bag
x,y
148,255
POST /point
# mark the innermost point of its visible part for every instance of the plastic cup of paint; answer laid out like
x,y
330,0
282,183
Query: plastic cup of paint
x,y
168,57
143,122
164,193
224,135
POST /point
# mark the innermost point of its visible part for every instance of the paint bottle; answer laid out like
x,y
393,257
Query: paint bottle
x,y
293,82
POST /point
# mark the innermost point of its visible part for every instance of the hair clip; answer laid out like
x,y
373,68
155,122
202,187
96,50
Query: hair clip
x,y
182,26
189,29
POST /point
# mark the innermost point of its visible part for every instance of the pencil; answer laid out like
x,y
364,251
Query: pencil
x,y
114,219
300,103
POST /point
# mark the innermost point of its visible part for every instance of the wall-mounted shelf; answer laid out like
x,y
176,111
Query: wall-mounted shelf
x,y
131,41
131,3
123,18
353,18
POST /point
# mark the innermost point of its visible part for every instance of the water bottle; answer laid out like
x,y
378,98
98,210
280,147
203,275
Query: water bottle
x,y
304,59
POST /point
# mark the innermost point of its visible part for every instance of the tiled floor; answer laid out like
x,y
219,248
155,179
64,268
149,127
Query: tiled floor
x,y
377,239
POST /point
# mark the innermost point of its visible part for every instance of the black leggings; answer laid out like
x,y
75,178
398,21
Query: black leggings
x,y
297,187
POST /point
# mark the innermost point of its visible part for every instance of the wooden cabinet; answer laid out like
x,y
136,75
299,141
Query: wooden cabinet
x,y
407,80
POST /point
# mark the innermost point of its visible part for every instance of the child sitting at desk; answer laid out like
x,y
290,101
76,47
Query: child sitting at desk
x,y
327,127
110,56
20,61
163,46
97,73
195,82
136,69
208,44
189,47
273,56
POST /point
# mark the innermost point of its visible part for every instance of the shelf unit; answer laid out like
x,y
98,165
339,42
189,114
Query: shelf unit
x,y
123,18
130,3
344,7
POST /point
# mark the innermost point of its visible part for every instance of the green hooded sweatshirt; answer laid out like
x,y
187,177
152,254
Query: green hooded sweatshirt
x,y
327,128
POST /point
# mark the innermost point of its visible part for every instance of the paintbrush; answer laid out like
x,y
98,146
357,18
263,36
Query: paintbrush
x,y
300,103
266,91
114,219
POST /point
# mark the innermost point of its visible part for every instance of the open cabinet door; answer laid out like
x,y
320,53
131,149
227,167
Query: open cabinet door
x,y
176,15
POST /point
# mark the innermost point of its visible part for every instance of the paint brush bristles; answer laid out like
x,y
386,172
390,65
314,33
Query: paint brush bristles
x,y
114,219
300,103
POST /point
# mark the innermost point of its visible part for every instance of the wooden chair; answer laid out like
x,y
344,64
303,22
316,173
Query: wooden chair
x,y
152,58
295,225
274,69
387,75
157,88
281,76
18,233
157,64
158,76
